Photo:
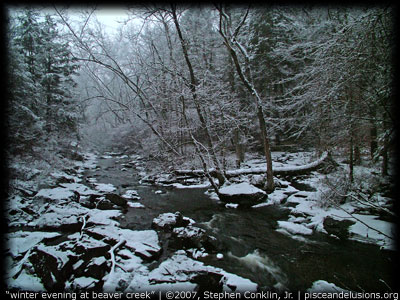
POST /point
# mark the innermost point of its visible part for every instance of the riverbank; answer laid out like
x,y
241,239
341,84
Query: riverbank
x,y
94,225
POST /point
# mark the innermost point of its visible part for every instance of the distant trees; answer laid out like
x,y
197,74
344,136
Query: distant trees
x,y
42,108
204,82
339,91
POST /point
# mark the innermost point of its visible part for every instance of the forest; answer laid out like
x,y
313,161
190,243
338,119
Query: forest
x,y
181,149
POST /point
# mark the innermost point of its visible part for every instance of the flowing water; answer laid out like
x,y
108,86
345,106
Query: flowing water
x,y
252,246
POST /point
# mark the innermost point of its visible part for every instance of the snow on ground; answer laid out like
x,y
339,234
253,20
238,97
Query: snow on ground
x,y
361,232
21,241
82,189
58,193
105,187
310,205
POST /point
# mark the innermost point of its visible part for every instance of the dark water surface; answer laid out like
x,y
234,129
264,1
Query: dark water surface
x,y
253,248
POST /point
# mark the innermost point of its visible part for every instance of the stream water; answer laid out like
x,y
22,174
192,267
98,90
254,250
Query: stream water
x,y
252,246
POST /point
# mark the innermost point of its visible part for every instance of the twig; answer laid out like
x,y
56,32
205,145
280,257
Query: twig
x,y
108,284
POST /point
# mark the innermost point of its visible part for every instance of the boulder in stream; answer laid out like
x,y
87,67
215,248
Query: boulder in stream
x,y
193,237
116,199
168,221
244,194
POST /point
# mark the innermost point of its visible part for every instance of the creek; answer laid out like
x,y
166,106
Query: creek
x,y
252,247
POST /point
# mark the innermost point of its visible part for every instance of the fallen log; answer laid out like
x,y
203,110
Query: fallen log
x,y
323,161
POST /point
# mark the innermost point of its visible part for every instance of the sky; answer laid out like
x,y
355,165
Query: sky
x,y
110,16
107,15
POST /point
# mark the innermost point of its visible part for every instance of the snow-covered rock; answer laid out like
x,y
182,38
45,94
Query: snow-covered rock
x,y
55,194
131,195
116,199
193,237
168,221
105,187
295,228
242,193
180,268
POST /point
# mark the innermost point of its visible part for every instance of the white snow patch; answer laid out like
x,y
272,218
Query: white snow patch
x,y
295,228
131,194
243,188
22,241
361,232
136,205
180,268
80,188
57,193
231,205
191,186
26,282
105,187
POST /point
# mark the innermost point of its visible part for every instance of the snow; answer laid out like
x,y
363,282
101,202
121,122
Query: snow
x,y
243,188
188,231
191,186
361,232
80,188
166,219
59,175
58,193
276,197
131,194
180,268
103,217
231,205
83,283
105,187
27,282
22,241
295,228
136,205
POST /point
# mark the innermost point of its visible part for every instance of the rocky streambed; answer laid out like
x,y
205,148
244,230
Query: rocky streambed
x,y
106,226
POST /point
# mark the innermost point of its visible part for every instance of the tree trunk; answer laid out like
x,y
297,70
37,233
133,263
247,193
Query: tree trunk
x,y
239,148
203,122
245,77
373,142
269,184
351,162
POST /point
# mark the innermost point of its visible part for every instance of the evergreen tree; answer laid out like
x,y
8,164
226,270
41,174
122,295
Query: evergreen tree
x,y
41,71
